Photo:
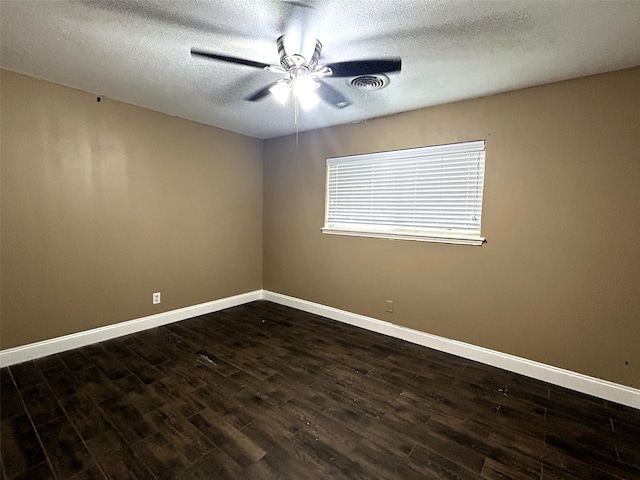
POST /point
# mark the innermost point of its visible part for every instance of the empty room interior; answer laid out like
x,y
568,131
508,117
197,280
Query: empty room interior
x,y
193,288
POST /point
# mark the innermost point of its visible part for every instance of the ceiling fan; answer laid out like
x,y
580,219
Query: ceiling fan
x,y
305,78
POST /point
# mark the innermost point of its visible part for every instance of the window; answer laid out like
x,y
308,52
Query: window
x,y
430,194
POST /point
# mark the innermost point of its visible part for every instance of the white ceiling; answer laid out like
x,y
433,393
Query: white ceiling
x,y
138,51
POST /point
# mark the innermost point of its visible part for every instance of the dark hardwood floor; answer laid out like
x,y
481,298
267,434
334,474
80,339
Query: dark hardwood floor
x,y
263,391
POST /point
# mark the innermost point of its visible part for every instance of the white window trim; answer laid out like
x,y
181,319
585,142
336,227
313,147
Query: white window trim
x,y
419,237
400,233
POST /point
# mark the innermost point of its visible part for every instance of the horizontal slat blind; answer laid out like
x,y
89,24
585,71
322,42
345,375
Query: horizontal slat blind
x,y
422,190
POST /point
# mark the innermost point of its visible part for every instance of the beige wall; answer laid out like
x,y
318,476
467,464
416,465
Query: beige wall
x,y
105,203
559,278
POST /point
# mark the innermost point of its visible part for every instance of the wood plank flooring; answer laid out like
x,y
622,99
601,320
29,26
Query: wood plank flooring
x,y
262,391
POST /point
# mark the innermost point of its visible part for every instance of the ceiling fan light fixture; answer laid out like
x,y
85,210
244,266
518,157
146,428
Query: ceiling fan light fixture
x,y
309,100
281,91
304,85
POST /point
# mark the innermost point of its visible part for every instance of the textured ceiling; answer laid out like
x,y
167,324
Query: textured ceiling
x,y
139,51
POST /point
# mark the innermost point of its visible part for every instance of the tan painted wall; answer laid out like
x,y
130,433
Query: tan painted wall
x,y
559,279
105,203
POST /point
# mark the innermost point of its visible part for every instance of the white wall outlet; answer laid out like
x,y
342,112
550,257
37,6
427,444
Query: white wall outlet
x,y
156,298
389,304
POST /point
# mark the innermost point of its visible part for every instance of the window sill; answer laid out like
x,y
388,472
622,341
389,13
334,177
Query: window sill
x,y
451,239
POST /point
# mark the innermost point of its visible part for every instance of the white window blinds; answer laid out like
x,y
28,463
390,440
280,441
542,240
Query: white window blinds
x,y
430,193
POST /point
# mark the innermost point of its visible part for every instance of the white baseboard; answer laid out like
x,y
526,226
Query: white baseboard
x,y
565,378
32,351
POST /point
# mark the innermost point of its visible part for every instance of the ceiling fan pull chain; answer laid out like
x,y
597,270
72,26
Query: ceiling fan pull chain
x,y
295,116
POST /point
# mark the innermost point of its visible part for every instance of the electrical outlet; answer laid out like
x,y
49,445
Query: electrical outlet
x,y
156,298
389,304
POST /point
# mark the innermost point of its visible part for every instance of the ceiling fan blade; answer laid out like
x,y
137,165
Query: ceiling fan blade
x,y
224,58
355,68
332,96
260,94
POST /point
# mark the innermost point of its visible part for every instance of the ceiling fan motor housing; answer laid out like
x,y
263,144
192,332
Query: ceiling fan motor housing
x,y
297,60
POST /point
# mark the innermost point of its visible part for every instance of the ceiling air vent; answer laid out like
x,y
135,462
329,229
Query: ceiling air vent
x,y
369,83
